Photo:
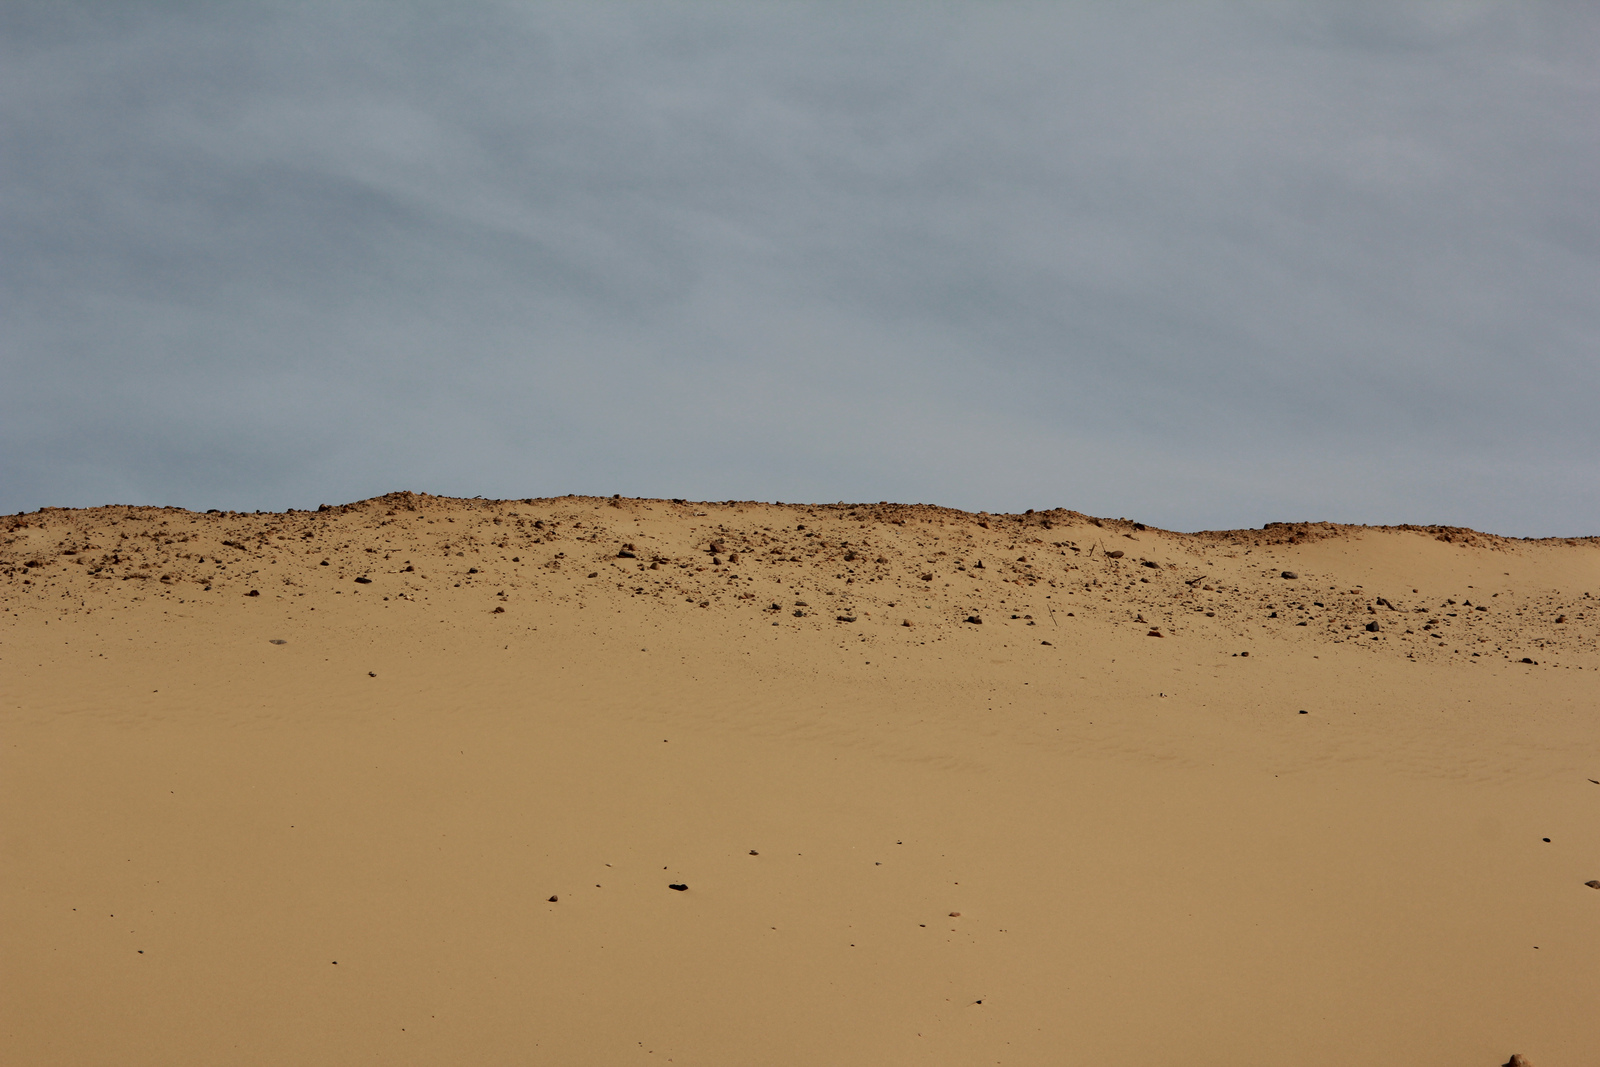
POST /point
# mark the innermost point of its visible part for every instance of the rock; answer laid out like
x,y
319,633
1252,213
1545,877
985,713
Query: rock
x,y
1525,659
552,900
1149,563
1288,574
623,553
257,592
1155,633
955,915
1517,1061
1044,642
679,886
498,611
277,641
905,622
1593,883
753,852
974,620
1115,553
594,574
368,581
1373,627
844,618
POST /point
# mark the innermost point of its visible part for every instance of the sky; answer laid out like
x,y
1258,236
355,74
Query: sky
x,y
1201,265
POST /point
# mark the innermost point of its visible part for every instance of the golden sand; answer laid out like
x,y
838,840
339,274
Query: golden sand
x,y
408,782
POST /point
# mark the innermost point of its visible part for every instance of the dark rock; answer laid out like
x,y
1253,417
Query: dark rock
x,y
1288,574
363,581
625,554
594,574
1525,659
1149,563
470,570
679,886
753,852
1373,627
844,618
974,620
552,900
1044,642
1593,883
277,641
498,611
1115,553
324,563
1155,633
799,614
253,592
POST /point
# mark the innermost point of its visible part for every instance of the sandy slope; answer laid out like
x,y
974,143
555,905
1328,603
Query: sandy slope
x,y
342,847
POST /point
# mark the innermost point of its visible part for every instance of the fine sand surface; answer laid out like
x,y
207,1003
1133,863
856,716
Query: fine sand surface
x,y
407,782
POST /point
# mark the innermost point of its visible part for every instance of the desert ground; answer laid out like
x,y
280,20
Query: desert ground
x,y
595,780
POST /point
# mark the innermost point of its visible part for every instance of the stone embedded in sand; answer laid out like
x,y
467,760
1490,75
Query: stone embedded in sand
x,y
844,618
753,852
623,553
276,641
1373,627
552,900
1149,563
368,581
1593,883
1288,574
1115,553
498,611
1525,659
1517,1060
1155,633
253,592
679,886
974,620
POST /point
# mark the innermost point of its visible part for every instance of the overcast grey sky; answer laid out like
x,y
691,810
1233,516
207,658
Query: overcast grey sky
x,y
1201,265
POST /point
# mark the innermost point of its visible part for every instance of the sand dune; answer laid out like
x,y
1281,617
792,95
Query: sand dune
x,y
413,780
